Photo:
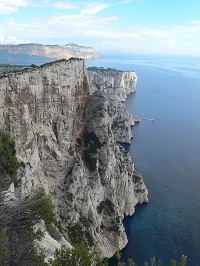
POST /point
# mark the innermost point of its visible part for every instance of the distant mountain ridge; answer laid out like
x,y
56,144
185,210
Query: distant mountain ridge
x,y
33,52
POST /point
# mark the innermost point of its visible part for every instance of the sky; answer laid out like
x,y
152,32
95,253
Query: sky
x,y
115,26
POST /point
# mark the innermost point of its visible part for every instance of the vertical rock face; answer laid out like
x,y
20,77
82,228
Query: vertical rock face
x,y
66,139
43,110
116,84
112,81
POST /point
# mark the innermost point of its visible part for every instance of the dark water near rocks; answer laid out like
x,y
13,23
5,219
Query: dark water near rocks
x,y
167,154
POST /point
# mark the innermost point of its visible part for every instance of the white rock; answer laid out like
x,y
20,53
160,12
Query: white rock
x,y
46,111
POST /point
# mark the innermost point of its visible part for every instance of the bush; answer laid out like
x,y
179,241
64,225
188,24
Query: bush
x,y
77,256
8,160
77,235
53,231
44,208
91,145
91,142
106,206
18,233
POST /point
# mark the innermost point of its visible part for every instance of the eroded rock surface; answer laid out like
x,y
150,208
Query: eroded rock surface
x,y
66,138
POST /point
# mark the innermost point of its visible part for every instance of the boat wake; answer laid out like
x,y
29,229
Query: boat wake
x,y
149,119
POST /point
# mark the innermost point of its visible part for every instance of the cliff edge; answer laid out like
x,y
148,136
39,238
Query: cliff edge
x,y
66,140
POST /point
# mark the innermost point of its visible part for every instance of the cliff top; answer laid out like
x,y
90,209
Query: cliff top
x,y
108,69
6,69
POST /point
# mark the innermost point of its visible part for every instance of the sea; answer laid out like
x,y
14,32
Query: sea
x,y
166,152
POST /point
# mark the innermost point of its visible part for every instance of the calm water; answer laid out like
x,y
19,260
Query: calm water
x,y
167,154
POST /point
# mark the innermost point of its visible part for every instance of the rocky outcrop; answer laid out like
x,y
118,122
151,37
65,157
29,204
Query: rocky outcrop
x,y
112,81
116,85
67,143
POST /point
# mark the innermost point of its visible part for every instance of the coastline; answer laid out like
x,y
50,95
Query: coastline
x,y
67,140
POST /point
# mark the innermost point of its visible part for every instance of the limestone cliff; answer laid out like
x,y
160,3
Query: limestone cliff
x,y
112,81
66,139
116,85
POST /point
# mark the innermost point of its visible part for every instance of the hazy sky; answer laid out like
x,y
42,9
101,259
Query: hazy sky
x,y
131,26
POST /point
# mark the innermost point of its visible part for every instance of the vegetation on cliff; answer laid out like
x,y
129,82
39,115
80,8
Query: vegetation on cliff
x,y
8,160
102,69
19,219
18,231
90,144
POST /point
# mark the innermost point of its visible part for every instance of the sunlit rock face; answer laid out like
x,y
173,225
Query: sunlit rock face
x,y
66,135
50,51
116,84
112,81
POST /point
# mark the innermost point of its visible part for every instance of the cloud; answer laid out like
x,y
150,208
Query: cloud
x,y
81,25
88,28
195,22
64,5
2,38
172,43
11,6
127,2
94,8
14,40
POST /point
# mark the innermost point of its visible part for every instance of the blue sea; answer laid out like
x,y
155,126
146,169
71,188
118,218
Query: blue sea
x,y
167,154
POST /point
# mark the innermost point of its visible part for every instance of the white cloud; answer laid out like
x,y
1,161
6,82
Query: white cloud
x,y
1,38
125,2
11,6
14,40
11,40
128,1
64,5
172,43
87,28
195,22
94,8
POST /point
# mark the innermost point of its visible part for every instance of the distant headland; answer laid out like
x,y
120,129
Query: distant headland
x,y
33,52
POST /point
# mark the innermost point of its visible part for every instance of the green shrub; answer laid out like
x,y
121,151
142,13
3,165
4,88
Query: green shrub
x,y
8,160
90,160
106,206
4,247
18,234
79,232
78,256
53,231
91,144
44,210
